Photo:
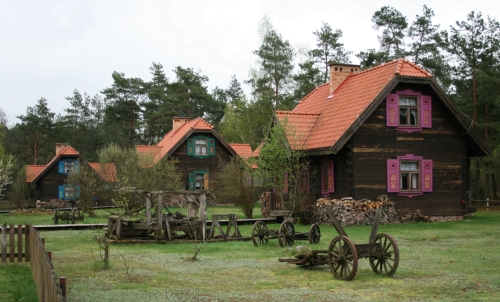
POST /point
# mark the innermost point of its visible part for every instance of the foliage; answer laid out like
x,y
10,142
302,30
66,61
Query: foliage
x,y
329,49
140,171
281,165
238,183
393,25
92,186
6,169
20,190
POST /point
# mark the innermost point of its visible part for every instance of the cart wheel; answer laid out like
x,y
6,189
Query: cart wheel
x,y
314,234
56,217
343,258
260,233
72,217
385,261
286,234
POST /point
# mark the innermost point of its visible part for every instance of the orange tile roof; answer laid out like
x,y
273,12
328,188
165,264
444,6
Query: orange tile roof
x,y
106,171
173,138
298,126
33,172
256,152
243,150
335,114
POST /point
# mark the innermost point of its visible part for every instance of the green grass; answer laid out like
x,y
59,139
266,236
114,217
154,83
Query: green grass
x,y
16,282
451,261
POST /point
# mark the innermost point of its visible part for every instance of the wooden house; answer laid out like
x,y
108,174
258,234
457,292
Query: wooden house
x,y
50,180
196,148
387,130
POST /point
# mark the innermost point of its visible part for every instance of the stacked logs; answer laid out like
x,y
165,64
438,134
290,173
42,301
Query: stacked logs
x,y
354,212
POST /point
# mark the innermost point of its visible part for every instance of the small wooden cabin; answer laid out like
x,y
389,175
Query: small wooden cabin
x,y
196,148
50,180
387,130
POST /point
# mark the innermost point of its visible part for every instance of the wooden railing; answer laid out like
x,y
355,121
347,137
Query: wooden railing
x,y
48,287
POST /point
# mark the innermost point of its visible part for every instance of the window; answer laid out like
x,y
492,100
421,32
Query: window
x,y
68,192
327,179
198,180
201,146
409,175
409,111
68,165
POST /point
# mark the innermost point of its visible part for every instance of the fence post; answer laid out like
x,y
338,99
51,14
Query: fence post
x,y
62,284
27,245
4,243
12,240
20,243
49,253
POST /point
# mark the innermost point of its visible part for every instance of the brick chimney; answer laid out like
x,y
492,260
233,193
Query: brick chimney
x,y
60,147
339,72
177,122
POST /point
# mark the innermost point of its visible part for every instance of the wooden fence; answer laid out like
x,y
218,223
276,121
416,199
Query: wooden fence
x,y
33,251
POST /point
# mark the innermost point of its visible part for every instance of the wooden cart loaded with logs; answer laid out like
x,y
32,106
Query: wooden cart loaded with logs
x,y
342,254
286,234
160,226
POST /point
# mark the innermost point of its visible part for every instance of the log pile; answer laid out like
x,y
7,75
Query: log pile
x,y
354,212
268,202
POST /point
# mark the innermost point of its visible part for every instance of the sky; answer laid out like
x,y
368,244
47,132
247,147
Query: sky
x,y
50,48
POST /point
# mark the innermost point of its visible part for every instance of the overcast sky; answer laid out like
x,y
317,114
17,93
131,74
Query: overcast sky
x,y
50,48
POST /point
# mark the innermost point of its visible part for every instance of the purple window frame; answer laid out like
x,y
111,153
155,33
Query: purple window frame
x,y
424,110
394,174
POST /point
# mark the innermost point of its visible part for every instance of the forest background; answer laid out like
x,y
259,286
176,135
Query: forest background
x,y
464,59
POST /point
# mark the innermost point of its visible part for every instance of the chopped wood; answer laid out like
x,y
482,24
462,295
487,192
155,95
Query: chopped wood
x,y
354,212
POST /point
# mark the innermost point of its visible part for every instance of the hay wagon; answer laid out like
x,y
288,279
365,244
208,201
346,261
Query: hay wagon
x,y
70,215
342,254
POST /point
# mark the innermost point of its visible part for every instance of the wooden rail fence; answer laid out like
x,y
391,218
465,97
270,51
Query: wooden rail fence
x,y
20,243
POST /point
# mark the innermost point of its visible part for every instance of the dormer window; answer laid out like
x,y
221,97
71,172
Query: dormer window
x,y
408,111
201,146
66,166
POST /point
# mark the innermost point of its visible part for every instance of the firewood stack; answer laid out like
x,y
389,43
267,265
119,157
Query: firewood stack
x,y
354,212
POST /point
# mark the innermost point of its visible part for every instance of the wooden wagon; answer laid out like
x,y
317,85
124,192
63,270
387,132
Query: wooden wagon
x,y
286,234
342,254
70,215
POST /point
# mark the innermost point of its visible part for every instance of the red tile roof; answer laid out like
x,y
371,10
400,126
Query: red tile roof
x,y
106,171
243,150
172,140
321,119
33,172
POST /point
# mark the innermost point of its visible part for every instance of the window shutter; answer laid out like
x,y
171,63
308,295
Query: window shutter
x,y
392,110
61,192
392,175
331,182
205,180
191,180
285,183
61,167
190,147
77,192
426,111
426,175
211,147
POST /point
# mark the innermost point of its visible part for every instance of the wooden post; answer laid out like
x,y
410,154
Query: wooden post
x,y
203,215
4,243
49,253
376,220
12,241
62,285
148,209
27,244
159,219
20,243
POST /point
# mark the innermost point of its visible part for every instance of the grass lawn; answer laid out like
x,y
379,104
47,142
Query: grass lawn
x,y
450,261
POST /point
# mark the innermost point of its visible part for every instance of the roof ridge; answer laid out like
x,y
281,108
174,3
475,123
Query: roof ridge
x,y
297,113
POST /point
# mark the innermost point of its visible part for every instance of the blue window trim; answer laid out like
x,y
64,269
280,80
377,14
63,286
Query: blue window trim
x,y
61,192
62,162
191,150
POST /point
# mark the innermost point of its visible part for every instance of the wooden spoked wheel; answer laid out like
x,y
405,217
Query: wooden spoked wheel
x,y
260,233
343,258
386,259
286,234
314,234
56,217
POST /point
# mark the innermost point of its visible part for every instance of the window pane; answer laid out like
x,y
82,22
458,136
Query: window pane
x,y
404,181
199,182
203,150
408,166
403,119
415,181
407,101
414,117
